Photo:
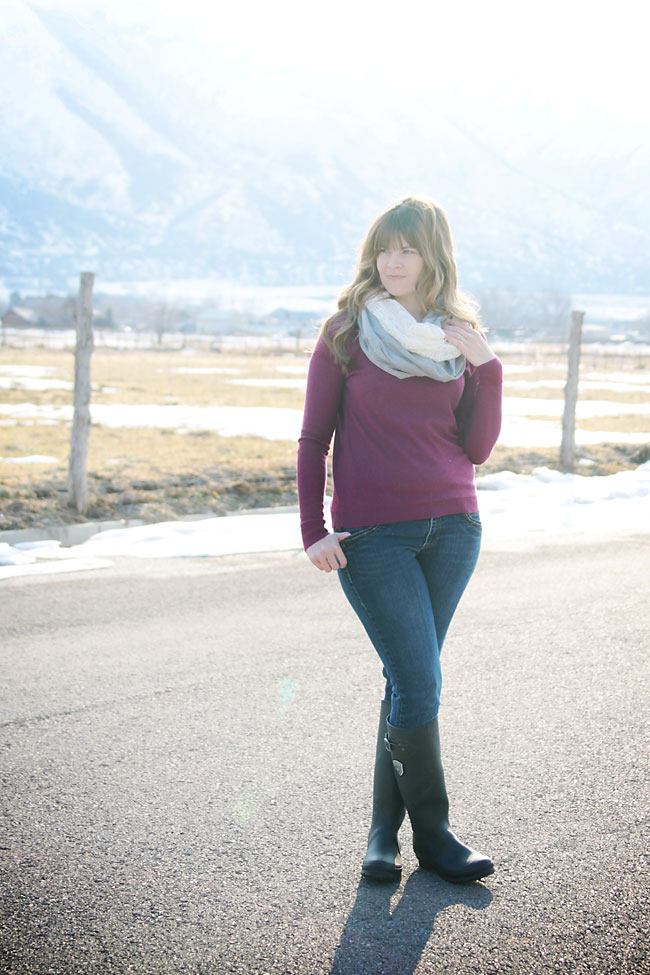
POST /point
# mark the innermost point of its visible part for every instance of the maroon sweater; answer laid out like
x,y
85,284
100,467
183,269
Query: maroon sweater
x,y
404,448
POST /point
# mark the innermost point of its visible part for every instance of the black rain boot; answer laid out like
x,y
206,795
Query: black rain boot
x,y
383,860
418,772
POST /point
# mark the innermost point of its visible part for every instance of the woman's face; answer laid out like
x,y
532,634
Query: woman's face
x,y
399,267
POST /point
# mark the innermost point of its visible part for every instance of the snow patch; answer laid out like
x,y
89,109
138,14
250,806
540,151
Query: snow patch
x,y
33,459
517,510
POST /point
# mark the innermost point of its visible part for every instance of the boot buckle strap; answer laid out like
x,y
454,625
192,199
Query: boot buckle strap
x,y
392,746
398,766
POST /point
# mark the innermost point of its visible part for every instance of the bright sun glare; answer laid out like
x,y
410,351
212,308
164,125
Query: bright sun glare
x,y
553,64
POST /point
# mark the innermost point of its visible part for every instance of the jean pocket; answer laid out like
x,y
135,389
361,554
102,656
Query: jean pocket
x,y
356,534
473,518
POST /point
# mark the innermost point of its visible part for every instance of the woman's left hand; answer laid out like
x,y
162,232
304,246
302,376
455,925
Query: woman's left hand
x,y
468,340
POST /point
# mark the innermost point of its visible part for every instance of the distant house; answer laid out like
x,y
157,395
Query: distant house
x,y
595,333
16,317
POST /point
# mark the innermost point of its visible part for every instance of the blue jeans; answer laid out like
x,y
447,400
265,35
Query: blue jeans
x,y
404,581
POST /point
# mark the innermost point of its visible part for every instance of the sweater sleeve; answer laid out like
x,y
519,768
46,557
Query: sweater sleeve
x,y
324,391
478,415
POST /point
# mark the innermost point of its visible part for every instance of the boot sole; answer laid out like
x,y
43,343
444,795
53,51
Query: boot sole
x,y
478,874
382,873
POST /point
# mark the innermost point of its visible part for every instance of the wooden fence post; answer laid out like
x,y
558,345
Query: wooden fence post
x,y
77,479
567,447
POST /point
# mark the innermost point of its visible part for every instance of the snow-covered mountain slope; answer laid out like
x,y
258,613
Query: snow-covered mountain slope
x,y
113,157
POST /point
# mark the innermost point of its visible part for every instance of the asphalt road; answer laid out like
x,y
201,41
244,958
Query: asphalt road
x,y
186,768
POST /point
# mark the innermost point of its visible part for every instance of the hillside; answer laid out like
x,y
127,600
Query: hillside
x,y
113,158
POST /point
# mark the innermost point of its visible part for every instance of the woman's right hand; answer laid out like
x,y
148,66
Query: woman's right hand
x,y
327,554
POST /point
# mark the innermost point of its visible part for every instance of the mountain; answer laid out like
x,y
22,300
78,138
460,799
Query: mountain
x,y
114,159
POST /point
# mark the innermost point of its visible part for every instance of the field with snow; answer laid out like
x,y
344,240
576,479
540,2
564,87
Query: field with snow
x,y
190,431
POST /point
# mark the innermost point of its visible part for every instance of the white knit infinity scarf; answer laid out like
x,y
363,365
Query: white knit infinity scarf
x,y
396,342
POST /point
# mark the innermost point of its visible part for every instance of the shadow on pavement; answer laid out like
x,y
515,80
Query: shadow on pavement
x,y
378,939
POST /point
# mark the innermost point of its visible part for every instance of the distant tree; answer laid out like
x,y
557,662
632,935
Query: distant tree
x,y
501,310
161,320
642,324
104,318
556,311
508,312
68,313
160,317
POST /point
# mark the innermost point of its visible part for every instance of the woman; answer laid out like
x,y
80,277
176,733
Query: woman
x,y
406,380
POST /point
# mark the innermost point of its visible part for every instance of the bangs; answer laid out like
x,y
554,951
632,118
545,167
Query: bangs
x,y
399,224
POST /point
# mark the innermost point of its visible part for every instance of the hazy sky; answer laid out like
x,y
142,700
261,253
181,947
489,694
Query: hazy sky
x,y
575,70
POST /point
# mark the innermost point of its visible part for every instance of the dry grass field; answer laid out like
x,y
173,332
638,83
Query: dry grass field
x,y
156,474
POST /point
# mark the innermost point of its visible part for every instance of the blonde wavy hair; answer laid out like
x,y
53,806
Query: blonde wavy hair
x,y
423,225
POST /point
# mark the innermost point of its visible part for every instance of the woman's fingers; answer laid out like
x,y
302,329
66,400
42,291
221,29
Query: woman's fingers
x,y
454,326
457,331
327,554
468,340
330,561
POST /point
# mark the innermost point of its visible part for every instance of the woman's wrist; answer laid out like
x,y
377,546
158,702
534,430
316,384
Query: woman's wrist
x,y
481,360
